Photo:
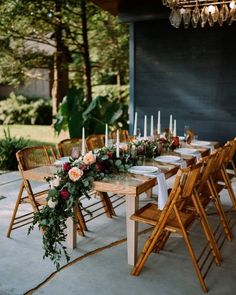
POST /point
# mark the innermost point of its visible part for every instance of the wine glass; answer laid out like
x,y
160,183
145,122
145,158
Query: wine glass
x,y
75,153
186,129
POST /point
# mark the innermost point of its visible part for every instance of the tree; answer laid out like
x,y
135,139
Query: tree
x,y
77,32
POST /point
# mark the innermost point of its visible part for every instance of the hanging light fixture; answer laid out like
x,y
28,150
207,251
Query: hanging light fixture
x,y
201,12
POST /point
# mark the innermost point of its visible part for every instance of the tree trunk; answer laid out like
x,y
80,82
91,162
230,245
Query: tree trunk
x,y
86,55
61,66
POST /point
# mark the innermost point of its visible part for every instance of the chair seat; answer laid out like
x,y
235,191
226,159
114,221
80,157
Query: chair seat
x,y
150,214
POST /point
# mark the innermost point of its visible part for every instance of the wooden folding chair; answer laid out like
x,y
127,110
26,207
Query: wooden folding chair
x,y
30,158
124,136
173,220
230,157
65,146
95,141
221,175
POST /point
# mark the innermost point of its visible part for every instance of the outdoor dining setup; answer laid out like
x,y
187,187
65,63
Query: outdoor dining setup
x,y
116,168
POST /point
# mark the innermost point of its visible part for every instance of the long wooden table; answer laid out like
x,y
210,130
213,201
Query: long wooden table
x,y
127,184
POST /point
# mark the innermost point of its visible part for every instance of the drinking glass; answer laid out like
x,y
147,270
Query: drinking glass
x,y
186,129
75,153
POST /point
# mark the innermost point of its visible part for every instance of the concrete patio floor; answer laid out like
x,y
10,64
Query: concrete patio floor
x,y
100,263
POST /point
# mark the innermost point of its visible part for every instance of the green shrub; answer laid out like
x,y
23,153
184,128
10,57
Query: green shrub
x,y
74,113
8,148
18,109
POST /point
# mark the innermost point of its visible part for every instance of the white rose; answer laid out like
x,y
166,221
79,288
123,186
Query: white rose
x,y
52,204
55,182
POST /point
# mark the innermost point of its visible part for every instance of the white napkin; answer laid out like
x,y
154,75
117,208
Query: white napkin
x,y
160,189
182,163
195,154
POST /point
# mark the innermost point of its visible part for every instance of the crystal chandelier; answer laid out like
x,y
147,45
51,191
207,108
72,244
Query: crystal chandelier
x,y
201,12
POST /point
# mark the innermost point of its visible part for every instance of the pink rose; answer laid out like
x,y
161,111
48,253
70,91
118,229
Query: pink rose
x,y
66,166
124,147
89,158
64,194
75,173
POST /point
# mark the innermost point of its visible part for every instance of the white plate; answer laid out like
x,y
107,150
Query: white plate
x,y
62,161
143,169
200,143
181,138
186,151
168,159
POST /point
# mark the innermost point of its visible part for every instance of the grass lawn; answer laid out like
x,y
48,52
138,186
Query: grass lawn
x,y
37,133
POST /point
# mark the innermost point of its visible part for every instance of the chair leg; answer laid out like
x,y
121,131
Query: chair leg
x,y
81,221
161,244
207,229
191,252
228,186
233,165
107,204
18,201
220,210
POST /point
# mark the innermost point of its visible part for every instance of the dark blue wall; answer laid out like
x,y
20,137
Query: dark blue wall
x,y
188,73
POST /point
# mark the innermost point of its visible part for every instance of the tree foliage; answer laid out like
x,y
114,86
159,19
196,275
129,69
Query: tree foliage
x,y
87,44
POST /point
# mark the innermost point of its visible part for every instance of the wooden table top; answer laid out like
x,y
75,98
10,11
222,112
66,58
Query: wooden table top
x,y
125,183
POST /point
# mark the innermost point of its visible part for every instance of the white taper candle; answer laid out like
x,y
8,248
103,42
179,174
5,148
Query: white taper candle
x,y
174,131
151,127
159,123
170,125
117,143
83,142
106,136
135,123
145,127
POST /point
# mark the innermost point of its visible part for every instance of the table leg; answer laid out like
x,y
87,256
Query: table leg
x,y
132,203
71,238
149,193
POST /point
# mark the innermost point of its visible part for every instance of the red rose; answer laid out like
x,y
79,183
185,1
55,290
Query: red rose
x,y
99,167
175,142
110,155
64,194
66,166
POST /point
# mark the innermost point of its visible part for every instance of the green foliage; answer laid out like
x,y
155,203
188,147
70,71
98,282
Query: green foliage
x,y
17,109
75,112
8,148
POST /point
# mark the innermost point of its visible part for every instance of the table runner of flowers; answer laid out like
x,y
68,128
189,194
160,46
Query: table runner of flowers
x,y
75,179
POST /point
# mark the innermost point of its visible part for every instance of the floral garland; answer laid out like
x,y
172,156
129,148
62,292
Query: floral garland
x,y
74,180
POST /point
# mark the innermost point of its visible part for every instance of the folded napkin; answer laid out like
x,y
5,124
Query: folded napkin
x,y
160,189
188,152
205,144
182,163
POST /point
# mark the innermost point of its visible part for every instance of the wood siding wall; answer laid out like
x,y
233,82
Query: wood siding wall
x,y
188,73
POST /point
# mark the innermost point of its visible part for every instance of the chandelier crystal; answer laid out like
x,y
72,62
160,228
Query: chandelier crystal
x,y
201,12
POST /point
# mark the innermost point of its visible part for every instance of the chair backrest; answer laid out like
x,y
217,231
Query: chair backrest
x,y
208,168
95,141
192,178
232,150
185,181
32,157
124,135
65,146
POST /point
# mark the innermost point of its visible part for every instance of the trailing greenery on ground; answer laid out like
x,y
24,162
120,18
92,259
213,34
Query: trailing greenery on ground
x,y
75,179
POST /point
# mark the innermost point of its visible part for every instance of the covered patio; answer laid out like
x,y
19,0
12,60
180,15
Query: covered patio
x,y
173,188
99,264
